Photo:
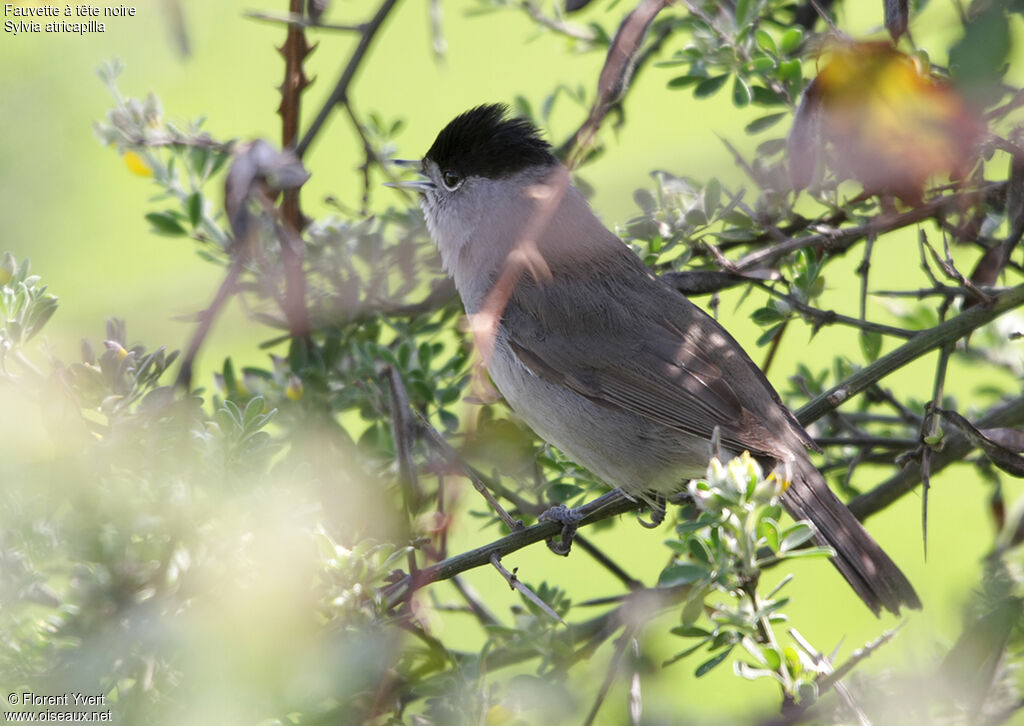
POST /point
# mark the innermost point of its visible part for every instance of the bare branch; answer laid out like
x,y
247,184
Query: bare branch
x,y
514,582
451,457
340,92
922,343
954,451
608,505
298,20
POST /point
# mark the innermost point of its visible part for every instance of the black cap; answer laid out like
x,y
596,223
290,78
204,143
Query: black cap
x,y
486,142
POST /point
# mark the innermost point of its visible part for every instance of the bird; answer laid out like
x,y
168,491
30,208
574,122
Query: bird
x,y
601,357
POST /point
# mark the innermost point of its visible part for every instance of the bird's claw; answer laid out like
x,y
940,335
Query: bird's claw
x,y
569,519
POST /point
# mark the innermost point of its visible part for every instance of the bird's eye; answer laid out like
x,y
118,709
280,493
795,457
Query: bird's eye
x,y
451,180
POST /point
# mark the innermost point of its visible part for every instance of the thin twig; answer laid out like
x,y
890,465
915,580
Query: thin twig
x,y
929,429
606,562
609,677
862,270
452,458
558,25
608,505
828,317
922,343
823,664
515,583
298,20
857,657
955,449
369,156
473,601
403,429
616,73
206,317
905,414
774,347
842,239
340,92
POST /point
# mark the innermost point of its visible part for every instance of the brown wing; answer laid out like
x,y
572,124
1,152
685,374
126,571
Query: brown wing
x,y
621,338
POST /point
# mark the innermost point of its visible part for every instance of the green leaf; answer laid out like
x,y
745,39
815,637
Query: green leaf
x,y
694,608
166,224
765,122
768,528
712,197
682,573
766,316
684,81
710,86
791,39
870,344
769,335
699,551
298,355
762,65
253,411
767,97
790,70
978,60
742,11
766,42
809,553
683,653
795,536
194,208
741,93
690,631
705,667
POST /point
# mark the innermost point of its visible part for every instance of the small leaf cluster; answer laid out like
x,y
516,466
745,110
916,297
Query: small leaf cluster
x,y
25,306
735,533
180,161
754,45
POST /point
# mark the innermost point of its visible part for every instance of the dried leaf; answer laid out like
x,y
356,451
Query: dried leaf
x,y
258,165
891,125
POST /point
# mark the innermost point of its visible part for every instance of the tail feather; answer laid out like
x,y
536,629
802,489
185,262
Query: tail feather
x,y
864,564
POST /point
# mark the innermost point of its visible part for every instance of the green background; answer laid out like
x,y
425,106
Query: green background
x,y
73,207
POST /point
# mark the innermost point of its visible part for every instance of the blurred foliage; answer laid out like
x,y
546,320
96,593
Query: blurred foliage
x,y
258,535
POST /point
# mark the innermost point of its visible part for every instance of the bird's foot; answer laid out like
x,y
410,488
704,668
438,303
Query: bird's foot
x,y
657,513
569,519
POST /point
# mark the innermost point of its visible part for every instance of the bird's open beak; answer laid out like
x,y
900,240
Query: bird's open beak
x,y
423,184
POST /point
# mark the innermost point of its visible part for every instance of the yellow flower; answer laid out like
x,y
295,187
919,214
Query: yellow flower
x,y
136,164
497,715
295,388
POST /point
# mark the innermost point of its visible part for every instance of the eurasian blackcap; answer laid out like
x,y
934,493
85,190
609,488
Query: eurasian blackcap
x,y
598,355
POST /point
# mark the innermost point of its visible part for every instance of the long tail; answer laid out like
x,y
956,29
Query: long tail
x,y
860,559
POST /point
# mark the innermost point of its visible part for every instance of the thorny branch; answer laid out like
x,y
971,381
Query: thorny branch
x,y
616,73
340,92
955,450
923,342
295,50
